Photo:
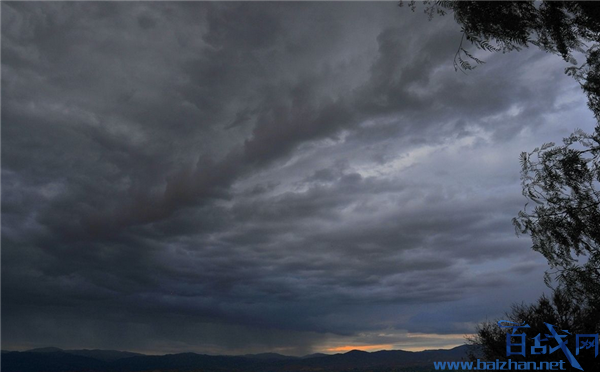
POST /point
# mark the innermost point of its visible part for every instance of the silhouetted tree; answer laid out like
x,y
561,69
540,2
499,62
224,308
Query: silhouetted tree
x,y
561,311
564,183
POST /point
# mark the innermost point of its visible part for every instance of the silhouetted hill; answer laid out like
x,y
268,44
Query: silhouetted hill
x,y
315,355
104,355
189,362
50,362
45,350
111,361
269,356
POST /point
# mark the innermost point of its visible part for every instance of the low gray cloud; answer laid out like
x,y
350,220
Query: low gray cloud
x,y
246,177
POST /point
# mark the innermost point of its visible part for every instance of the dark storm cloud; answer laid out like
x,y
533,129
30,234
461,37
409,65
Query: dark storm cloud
x,y
236,177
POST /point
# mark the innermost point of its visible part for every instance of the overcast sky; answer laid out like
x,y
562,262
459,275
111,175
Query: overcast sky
x,y
233,178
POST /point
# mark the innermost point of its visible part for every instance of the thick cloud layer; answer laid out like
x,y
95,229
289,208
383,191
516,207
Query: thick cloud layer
x,y
247,177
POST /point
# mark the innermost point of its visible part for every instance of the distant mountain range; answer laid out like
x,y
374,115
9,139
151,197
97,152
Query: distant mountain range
x,y
57,360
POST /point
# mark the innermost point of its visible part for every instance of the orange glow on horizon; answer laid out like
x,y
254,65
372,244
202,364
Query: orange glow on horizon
x,y
361,347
